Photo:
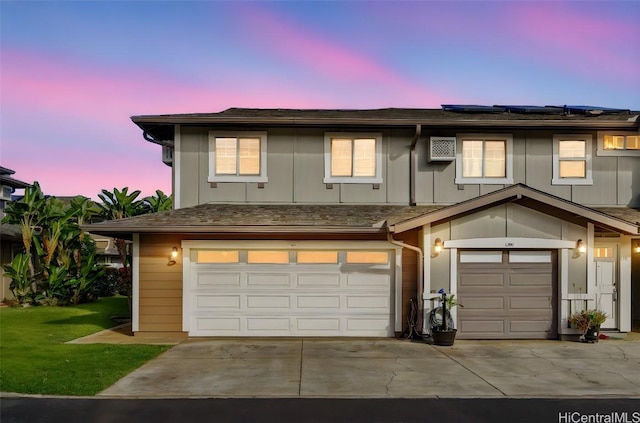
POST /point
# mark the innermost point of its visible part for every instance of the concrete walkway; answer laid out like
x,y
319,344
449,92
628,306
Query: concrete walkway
x,y
386,368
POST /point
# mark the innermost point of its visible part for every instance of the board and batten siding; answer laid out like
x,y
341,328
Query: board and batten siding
x,y
295,171
160,286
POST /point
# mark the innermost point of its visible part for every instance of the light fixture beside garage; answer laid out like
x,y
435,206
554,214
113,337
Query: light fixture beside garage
x,y
437,246
173,256
636,249
581,247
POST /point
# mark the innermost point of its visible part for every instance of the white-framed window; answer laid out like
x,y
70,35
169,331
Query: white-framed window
x,y
572,159
237,156
484,159
618,143
352,158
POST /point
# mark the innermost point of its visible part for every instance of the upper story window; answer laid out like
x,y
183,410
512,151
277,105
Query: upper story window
x,y
612,143
484,159
572,160
237,157
353,158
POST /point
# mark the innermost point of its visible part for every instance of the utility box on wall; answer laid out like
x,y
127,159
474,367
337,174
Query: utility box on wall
x,y
442,149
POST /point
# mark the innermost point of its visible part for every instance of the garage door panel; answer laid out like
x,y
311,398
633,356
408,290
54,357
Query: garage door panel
x,y
258,324
279,280
482,326
484,280
371,302
218,301
319,302
318,279
281,302
320,325
531,326
529,280
483,303
375,324
530,303
218,325
206,279
368,279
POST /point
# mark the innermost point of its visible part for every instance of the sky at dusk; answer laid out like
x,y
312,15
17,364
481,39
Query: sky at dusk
x,y
73,72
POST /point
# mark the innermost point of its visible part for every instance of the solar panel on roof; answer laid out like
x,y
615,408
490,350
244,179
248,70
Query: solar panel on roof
x,y
532,109
591,109
471,108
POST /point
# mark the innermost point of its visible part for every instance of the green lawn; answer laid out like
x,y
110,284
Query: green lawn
x,y
34,358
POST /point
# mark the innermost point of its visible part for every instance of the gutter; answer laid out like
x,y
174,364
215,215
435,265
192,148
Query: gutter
x,y
412,166
149,138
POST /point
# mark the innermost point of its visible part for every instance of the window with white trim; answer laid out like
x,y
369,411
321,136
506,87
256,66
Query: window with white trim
x,y
353,158
614,143
237,157
484,159
572,160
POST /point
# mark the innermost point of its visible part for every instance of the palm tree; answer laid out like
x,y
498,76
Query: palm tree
x,y
159,202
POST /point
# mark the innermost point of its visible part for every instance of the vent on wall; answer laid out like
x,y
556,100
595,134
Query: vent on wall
x,y
442,149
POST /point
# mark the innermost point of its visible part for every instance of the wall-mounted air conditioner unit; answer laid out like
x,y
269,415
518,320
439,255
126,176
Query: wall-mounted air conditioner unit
x,y
442,149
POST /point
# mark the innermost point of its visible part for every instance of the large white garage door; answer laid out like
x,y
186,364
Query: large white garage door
x,y
238,292
507,295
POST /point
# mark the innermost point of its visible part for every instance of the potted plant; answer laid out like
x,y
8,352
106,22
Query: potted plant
x,y
588,321
444,334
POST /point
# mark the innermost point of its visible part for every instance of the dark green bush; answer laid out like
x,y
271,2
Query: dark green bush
x,y
107,285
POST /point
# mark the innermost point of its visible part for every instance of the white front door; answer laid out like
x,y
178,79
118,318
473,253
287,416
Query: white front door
x,y
606,276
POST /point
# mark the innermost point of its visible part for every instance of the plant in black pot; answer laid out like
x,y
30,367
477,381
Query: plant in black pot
x,y
442,329
588,322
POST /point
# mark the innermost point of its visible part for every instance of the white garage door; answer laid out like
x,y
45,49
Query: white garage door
x,y
290,293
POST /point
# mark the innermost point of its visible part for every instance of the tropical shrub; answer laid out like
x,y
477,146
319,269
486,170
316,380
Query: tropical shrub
x,y
22,285
107,284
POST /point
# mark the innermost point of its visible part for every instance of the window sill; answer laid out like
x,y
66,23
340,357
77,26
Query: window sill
x,y
618,153
237,179
352,180
484,181
571,181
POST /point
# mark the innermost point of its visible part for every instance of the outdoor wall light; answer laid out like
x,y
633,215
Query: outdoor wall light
x,y
581,247
637,248
438,246
173,256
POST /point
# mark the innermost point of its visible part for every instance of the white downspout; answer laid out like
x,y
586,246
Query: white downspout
x,y
420,265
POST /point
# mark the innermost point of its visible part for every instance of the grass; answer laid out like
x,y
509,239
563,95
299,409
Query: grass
x,y
34,358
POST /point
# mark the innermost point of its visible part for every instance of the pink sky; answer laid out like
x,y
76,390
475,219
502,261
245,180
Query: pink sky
x,y
68,87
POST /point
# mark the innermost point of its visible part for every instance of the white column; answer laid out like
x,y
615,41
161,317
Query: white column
x,y
135,285
624,285
426,268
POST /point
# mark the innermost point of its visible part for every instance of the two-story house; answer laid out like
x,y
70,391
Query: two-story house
x,y
10,235
327,222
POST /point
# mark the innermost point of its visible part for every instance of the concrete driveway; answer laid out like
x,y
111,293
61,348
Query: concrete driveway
x,y
386,368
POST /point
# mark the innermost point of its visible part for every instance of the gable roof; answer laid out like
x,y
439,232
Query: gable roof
x,y
624,220
161,127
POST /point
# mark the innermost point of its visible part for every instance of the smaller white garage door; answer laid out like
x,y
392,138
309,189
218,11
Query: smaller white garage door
x,y
290,293
506,295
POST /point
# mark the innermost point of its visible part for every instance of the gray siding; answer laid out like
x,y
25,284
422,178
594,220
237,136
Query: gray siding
x,y
295,171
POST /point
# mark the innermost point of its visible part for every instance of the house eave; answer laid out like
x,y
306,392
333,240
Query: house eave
x,y
111,230
517,193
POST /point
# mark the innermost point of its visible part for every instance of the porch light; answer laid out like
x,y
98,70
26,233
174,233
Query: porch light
x,y
581,247
173,256
637,248
438,246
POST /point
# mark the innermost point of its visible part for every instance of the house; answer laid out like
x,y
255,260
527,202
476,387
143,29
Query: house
x,y
327,222
10,235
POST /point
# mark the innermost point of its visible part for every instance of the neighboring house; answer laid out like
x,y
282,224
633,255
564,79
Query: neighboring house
x,y
10,235
327,222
